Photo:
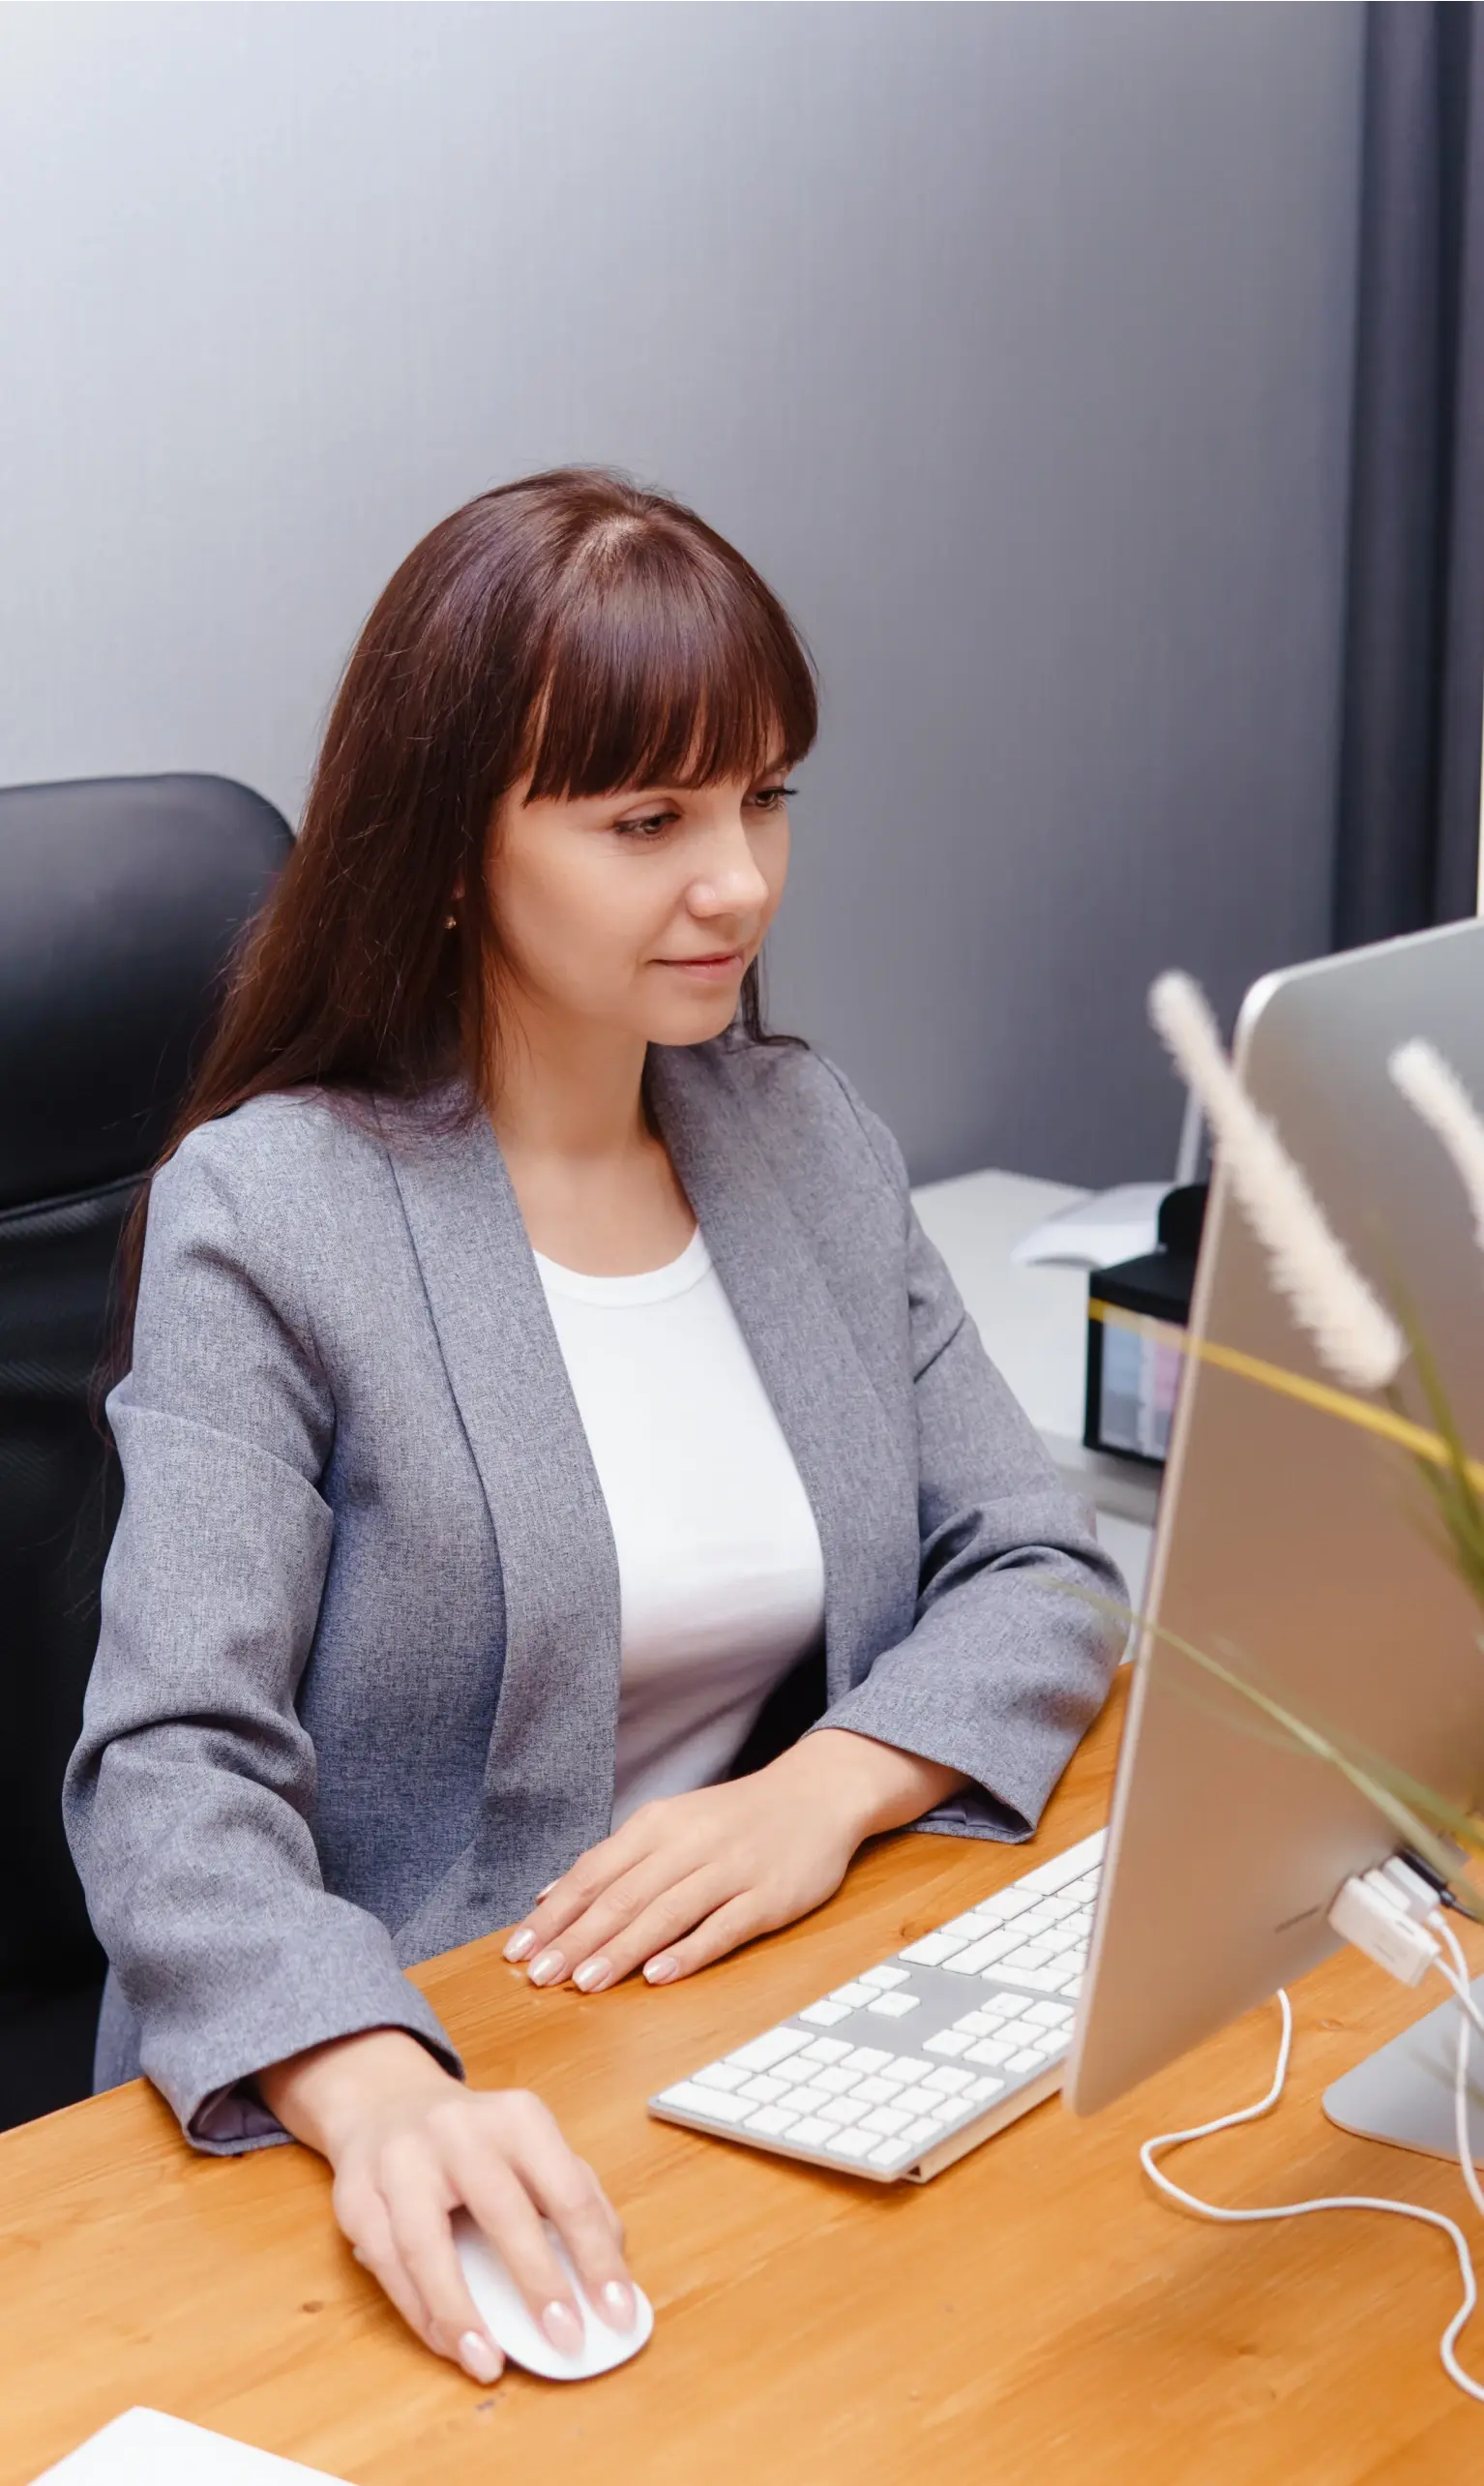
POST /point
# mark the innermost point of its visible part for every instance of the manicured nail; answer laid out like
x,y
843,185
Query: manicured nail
x,y
546,1971
564,2329
480,2358
547,1892
521,1945
663,1970
592,1974
618,2305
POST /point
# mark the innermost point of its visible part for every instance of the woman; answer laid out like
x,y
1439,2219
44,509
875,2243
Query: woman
x,y
544,1405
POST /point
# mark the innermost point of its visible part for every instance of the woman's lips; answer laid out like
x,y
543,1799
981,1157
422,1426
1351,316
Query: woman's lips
x,y
711,970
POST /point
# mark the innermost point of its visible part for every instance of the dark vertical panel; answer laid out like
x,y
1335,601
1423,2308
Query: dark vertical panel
x,y
1406,851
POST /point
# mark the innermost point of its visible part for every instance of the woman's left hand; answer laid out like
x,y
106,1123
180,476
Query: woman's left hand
x,y
689,1877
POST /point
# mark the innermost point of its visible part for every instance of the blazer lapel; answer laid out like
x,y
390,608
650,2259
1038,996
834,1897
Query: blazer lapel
x,y
825,1399
549,1779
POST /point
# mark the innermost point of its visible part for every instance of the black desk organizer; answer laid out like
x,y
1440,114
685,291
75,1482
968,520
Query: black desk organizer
x,y
1133,1379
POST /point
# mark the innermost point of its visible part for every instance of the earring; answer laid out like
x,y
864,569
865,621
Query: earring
x,y
451,923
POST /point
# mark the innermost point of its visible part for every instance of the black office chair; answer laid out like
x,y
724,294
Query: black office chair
x,y
120,902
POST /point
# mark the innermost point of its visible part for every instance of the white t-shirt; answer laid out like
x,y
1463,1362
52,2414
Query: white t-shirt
x,y
720,1567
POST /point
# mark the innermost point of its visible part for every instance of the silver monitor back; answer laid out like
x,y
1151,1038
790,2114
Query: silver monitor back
x,y
1292,1543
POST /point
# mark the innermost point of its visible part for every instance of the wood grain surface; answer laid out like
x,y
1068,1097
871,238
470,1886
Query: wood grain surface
x,y
1036,2313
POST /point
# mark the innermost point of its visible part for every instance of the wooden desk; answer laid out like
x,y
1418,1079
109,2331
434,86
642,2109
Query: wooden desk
x,y
1035,2317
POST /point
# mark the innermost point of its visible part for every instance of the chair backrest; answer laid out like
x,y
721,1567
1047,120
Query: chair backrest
x,y
121,900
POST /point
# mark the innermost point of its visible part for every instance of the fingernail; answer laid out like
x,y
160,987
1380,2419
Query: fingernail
x,y
663,1970
546,1971
618,2305
563,2328
591,1974
479,2358
545,1891
521,1945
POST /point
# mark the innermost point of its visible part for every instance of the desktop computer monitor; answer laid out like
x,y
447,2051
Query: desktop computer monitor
x,y
1297,1548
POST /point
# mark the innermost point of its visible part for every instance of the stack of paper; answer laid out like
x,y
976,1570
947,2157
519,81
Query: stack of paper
x,y
143,2448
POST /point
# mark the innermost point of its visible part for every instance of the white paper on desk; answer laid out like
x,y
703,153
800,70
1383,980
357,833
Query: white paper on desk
x,y
143,2448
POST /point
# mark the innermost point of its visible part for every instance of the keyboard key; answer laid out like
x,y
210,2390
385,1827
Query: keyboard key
x,y
885,2120
714,2103
1040,1981
988,2086
905,2067
1028,1955
933,1949
868,2059
843,2111
853,1996
851,2144
1048,2015
762,2092
812,2132
920,2100
948,2041
766,2050
1026,2059
979,2024
824,2015
825,2050
949,2079
1069,1867
1060,1938
808,2098
990,2049
893,2153
875,2091
965,1927
835,2079
884,1977
894,2006
921,2135
983,1955
721,2075
771,2121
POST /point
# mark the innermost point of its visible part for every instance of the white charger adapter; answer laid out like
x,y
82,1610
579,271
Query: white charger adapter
x,y
1381,1912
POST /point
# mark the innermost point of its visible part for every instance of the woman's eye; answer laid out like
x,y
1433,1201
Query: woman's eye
x,y
774,798
644,831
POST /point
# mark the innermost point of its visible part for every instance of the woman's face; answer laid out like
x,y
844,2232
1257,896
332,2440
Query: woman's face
x,y
639,913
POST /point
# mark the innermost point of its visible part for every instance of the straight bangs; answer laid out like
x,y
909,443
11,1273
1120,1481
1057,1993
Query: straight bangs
x,y
668,662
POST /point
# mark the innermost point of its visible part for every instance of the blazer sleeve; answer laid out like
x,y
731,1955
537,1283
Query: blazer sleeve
x,y
1004,1669
190,1797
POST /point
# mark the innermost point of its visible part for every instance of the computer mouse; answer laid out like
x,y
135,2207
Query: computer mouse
x,y
512,2327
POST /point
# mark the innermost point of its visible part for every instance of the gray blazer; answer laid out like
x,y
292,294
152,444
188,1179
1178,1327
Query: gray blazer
x,y
357,1682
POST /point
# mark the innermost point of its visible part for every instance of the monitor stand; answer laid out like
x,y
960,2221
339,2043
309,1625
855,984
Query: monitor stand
x,y
1403,2092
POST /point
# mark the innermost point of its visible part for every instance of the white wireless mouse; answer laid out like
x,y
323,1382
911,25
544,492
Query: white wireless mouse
x,y
512,2327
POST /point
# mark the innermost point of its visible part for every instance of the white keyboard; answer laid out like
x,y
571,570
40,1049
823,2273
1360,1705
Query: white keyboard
x,y
900,2072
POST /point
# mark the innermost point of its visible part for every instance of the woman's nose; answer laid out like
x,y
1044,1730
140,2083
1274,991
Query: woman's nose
x,y
731,882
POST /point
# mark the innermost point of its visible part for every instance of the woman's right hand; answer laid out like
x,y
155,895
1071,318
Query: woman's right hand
x,y
409,2145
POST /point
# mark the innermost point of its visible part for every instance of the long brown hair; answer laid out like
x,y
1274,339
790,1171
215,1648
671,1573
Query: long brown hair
x,y
571,626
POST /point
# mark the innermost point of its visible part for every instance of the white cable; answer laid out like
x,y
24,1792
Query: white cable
x,y
1469,2011
1348,2201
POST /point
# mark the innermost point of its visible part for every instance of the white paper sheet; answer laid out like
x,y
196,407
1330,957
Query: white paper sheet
x,y
143,2448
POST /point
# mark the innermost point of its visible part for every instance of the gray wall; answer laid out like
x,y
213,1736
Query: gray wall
x,y
1012,343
